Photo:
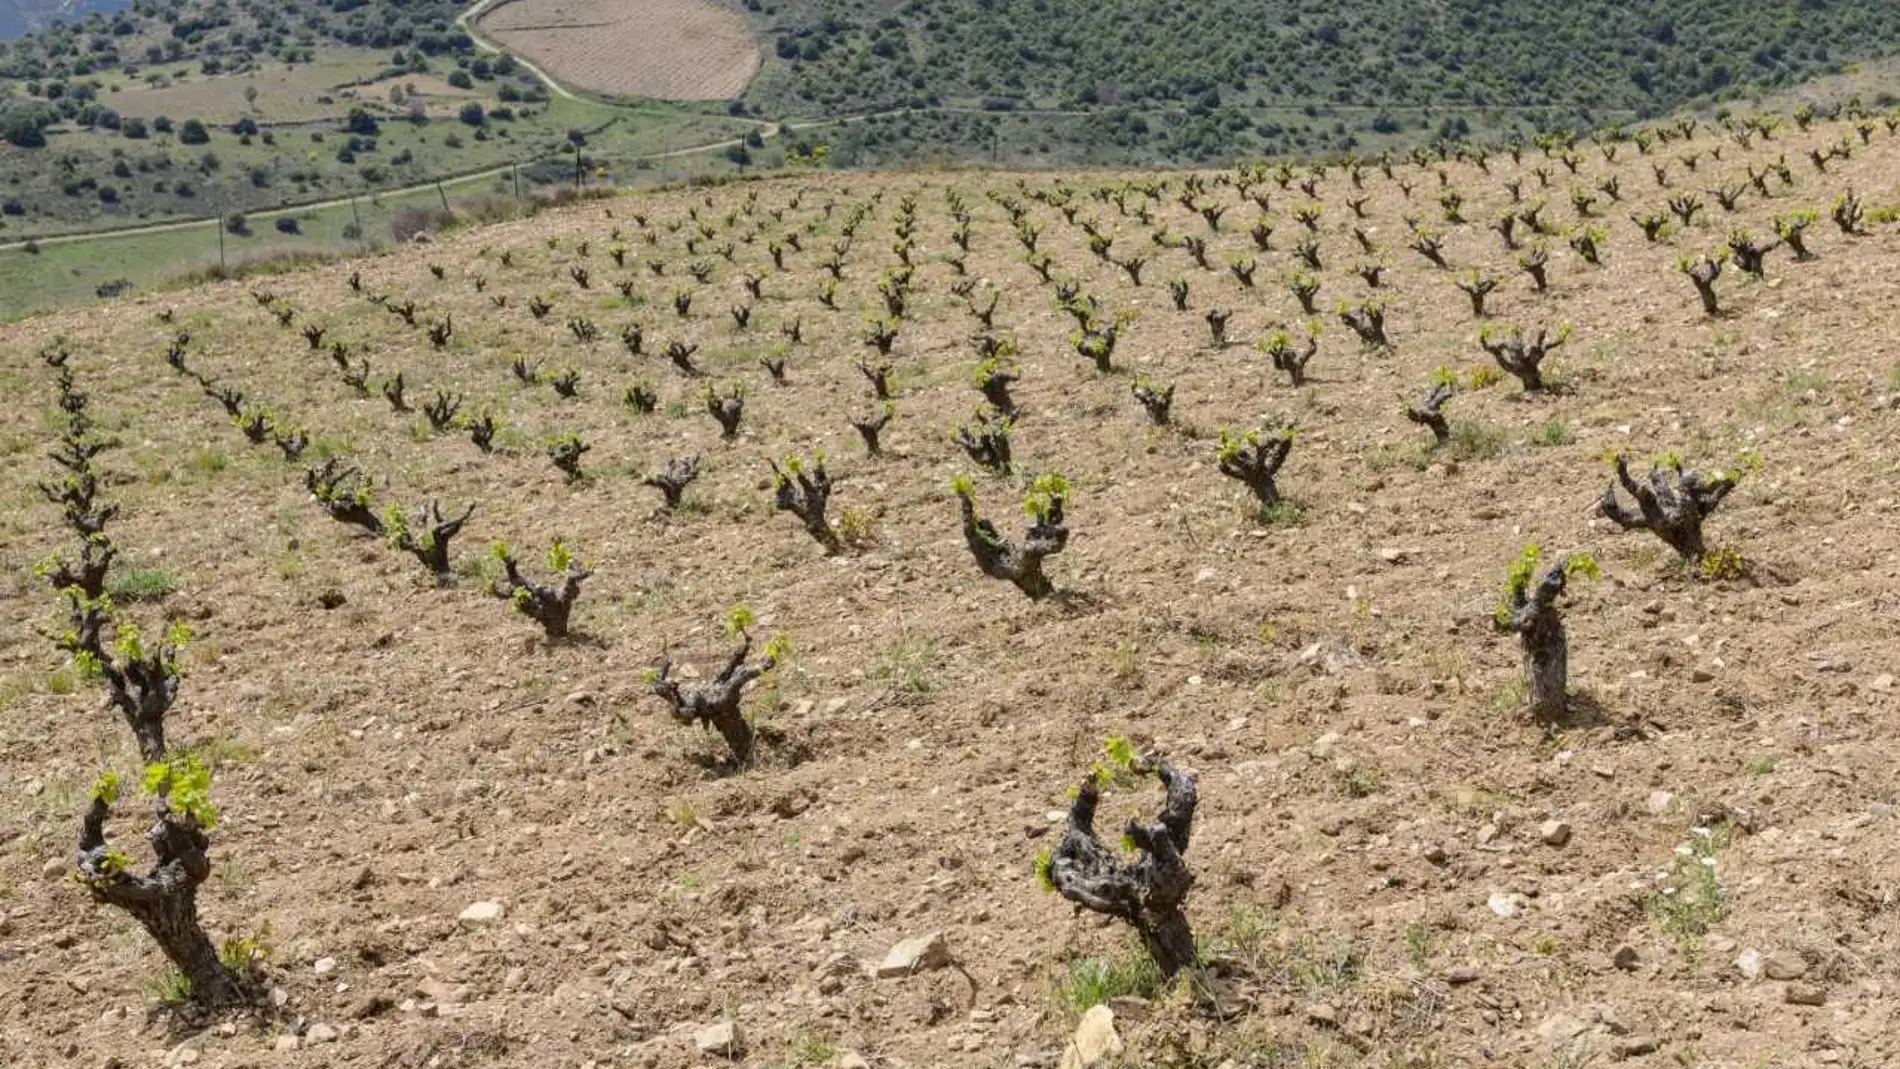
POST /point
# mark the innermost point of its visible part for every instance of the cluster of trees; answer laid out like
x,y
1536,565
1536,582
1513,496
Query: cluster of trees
x,y
1369,53
150,32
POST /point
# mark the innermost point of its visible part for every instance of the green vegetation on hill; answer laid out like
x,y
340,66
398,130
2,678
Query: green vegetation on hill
x,y
1205,81
176,109
182,110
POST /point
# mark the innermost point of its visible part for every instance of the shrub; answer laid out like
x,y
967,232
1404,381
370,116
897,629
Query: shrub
x,y
1000,558
1673,513
549,606
1146,892
715,703
1530,612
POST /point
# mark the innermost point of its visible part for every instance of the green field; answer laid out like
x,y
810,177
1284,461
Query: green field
x,y
59,273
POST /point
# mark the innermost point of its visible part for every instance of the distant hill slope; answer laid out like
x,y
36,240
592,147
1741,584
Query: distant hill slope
x,y
1254,77
304,101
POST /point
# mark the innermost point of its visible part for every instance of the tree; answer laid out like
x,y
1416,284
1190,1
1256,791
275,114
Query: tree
x,y
460,80
23,124
193,132
361,123
472,114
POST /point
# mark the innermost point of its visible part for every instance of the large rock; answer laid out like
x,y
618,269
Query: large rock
x,y
914,955
1095,1040
722,1038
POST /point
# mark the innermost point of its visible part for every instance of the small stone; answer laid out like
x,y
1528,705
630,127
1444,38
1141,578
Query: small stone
x,y
1461,974
850,1059
1636,1046
723,1038
1503,905
183,1056
324,966
1659,802
1560,1028
1554,832
917,954
480,914
1095,1041
1487,834
1435,854
1702,675
369,1006
1131,1008
1749,962
1784,965
1882,683
1800,994
319,1033
1625,958
441,993
55,867
1323,1013
286,1044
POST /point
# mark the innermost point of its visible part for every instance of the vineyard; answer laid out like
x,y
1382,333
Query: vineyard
x,y
1420,611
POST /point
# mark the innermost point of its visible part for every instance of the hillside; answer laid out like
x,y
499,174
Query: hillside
x,y
463,845
165,112
176,109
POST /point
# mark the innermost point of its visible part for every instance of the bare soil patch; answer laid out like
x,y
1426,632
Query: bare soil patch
x,y
662,49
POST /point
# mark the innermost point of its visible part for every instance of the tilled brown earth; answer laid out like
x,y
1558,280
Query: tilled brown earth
x,y
1395,866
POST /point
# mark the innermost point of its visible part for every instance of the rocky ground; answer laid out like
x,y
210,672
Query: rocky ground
x,y
466,846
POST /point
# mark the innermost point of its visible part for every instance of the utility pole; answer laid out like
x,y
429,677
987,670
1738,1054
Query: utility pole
x,y
445,197
358,218
577,167
221,266
515,170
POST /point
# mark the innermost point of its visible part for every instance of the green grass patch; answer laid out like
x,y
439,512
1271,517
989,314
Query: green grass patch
x,y
146,584
1087,982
